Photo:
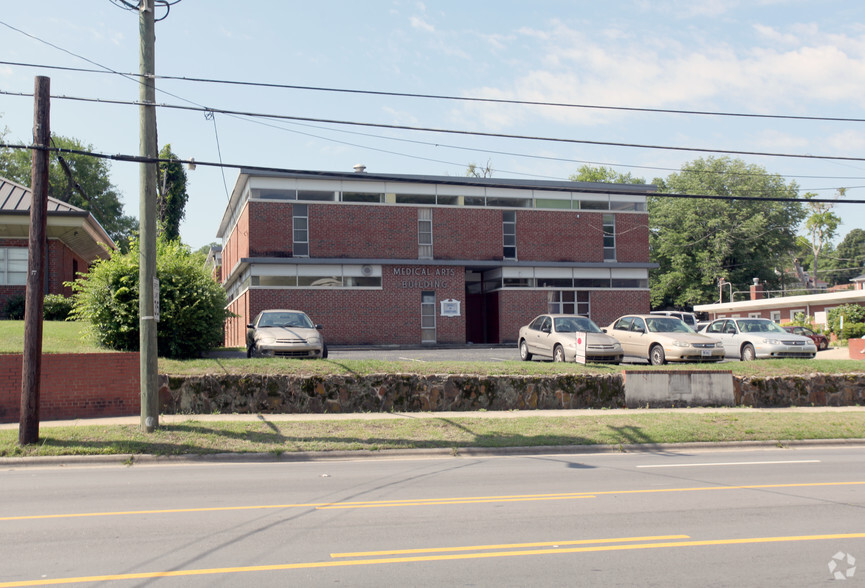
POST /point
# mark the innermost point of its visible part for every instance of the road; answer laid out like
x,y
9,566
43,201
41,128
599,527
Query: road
x,y
676,518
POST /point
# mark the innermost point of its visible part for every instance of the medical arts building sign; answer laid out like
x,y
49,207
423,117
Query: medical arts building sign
x,y
424,278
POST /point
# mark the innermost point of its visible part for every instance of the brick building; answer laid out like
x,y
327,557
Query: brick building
x,y
401,259
75,239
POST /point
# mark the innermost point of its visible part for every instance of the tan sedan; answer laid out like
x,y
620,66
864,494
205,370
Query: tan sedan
x,y
660,339
554,336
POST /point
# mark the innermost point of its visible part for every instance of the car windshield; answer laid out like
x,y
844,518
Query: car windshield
x,y
667,325
755,326
572,324
285,319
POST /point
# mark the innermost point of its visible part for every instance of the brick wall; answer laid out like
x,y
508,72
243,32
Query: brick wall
x,y
75,385
61,264
359,231
237,244
544,235
387,316
607,306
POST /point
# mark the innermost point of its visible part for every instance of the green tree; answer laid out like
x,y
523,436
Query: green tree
x,y
847,261
696,242
606,175
191,304
79,180
476,171
821,225
172,197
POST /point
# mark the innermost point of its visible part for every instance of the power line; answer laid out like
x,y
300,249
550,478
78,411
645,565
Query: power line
x,y
450,131
490,182
461,98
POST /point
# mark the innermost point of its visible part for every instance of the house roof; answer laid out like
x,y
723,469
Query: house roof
x,y
845,297
77,228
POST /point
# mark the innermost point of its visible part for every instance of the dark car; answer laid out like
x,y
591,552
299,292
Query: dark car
x,y
821,341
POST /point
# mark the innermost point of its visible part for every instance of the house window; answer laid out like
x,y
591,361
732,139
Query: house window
x,y
424,233
568,302
775,315
300,233
509,234
13,266
428,317
609,237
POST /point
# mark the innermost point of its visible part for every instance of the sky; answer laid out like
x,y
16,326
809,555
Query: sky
x,y
779,57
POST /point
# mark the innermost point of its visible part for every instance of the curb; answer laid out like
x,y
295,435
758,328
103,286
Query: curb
x,y
434,453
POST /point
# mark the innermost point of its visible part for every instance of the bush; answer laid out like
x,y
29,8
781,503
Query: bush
x,y
14,308
852,313
57,307
191,304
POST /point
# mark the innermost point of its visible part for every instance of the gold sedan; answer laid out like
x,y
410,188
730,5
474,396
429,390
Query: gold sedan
x,y
660,339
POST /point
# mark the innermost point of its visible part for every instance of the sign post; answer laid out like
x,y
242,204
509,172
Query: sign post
x,y
581,347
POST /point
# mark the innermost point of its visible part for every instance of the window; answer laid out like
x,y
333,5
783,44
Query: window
x,y
509,234
568,302
609,237
428,317
300,232
13,266
775,315
424,233
362,197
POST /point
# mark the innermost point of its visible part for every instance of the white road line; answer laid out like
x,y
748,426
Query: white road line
x,y
731,463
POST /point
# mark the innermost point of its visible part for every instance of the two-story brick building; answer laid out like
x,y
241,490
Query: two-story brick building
x,y
403,259
75,240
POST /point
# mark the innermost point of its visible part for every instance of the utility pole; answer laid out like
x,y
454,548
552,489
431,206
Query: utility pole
x,y
31,367
147,213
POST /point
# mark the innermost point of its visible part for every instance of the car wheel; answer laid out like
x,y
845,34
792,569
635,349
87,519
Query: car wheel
x,y
324,351
656,355
824,345
524,351
748,353
558,353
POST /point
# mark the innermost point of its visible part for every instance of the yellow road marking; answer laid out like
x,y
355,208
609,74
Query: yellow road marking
x,y
427,558
430,501
507,546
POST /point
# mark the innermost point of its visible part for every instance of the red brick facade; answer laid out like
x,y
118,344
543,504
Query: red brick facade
x,y
467,265
75,386
62,264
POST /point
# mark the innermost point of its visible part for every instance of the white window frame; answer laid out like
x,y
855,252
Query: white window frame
x,y
6,259
424,233
609,231
509,233
303,219
775,316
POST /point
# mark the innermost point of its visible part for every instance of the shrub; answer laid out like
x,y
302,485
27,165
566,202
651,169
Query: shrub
x,y
57,307
14,308
852,313
191,304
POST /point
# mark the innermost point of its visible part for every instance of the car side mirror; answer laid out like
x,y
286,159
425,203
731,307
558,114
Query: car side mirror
x,y
319,327
250,326
604,329
546,329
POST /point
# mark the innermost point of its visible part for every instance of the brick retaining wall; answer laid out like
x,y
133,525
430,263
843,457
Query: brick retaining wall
x,y
75,385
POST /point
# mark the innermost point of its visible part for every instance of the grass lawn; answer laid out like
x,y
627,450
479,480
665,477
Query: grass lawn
x,y
607,428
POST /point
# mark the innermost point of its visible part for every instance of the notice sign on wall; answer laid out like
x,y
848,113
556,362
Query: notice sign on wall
x,y
581,347
450,307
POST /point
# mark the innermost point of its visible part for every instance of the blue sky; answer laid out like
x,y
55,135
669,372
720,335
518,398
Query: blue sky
x,y
792,57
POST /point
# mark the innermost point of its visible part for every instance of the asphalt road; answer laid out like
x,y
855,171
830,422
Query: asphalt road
x,y
715,518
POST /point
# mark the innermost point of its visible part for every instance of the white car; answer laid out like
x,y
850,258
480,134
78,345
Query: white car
x,y
757,338
554,336
284,333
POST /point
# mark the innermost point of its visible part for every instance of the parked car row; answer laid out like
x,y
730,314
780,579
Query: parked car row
x,y
660,338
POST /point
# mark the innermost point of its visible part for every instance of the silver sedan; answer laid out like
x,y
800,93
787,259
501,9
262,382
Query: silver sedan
x,y
757,338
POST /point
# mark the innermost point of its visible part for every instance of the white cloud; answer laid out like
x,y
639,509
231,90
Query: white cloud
x,y
419,23
849,141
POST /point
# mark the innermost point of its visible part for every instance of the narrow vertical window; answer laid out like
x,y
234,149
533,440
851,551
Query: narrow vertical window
x,y
609,237
509,234
428,317
300,230
424,233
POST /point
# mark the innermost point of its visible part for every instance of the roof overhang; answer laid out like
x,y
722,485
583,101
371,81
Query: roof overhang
x,y
78,230
846,297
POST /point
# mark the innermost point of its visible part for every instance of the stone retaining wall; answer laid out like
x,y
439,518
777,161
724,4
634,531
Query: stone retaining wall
x,y
411,393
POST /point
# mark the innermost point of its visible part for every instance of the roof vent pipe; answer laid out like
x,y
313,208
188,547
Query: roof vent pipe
x,y
359,168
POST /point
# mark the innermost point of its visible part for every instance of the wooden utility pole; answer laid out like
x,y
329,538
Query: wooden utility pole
x,y
31,368
147,213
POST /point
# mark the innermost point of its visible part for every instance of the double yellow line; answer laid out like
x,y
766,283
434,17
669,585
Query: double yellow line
x,y
451,553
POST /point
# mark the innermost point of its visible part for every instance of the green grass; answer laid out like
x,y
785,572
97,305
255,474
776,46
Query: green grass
x,y
257,436
57,337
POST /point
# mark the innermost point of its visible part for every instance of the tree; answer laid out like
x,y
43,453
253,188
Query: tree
x,y
848,259
191,304
172,197
79,180
821,225
697,242
476,171
605,175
